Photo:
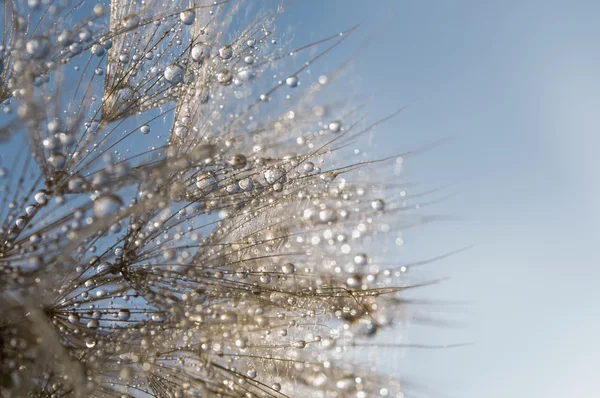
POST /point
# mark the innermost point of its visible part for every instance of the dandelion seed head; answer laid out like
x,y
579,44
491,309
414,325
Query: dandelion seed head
x,y
173,221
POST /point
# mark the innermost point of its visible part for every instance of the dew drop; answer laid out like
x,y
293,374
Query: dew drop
x,y
225,77
174,74
41,197
38,47
131,21
159,316
106,205
299,344
73,318
226,52
123,314
292,81
238,161
335,127
200,52
360,259
274,175
187,17
288,268
378,204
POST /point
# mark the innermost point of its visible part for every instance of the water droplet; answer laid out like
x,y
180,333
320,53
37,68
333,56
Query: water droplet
x,y
246,184
292,81
238,161
145,129
274,175
98,50
229,317
225,77
124,314
92,324
288,268
327,215
308,167
174,73
200,52
187,17
58,160
38,47
73,318
226,52
131,21
360,259
103,267
106,205
65,38
41,197
335,127
299,344
159,316
378,204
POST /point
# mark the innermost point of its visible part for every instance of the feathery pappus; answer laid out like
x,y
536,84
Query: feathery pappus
x,y
180,214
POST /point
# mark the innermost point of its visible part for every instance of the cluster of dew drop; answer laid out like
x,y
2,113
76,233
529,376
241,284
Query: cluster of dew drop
x,y
168,229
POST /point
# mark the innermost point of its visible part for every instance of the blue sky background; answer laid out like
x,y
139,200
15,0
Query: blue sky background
x,y
516,86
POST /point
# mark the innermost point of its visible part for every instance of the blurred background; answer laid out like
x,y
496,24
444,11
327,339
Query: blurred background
x,y
515,86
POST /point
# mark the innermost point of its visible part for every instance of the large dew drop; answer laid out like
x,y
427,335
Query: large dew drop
x,y
106,205
174,74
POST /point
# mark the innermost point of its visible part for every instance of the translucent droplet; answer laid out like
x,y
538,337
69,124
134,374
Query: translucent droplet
x,y
106,205
131,21
225,77
246,184
226,52
238,161
327,215
335,127
38,47
207,182
41,197
92,324
378,204
65,38
299,344
123,314
73,318
292,81
200,52
274,174
58,160
187,17
288,268
229,317
174,74
145,129
360,259
103,267
159,316
98,50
